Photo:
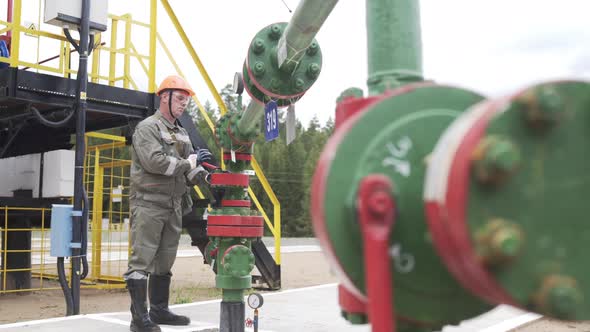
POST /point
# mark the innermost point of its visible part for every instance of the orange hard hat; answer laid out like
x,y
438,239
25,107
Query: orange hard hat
x,y
174,82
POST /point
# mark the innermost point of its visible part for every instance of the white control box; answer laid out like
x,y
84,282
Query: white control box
x,y
68,12
22,173
58,173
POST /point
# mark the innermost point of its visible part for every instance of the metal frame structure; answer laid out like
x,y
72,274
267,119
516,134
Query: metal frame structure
x,y
113,99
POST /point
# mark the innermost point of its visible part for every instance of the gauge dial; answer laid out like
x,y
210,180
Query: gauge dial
x,y
238,85
255,300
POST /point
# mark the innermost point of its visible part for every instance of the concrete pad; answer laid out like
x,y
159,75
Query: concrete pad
x,y
305,309
310,309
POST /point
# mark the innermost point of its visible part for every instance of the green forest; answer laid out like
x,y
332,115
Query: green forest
x,y
288,168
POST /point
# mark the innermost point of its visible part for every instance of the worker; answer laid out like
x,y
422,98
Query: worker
x,y
163,165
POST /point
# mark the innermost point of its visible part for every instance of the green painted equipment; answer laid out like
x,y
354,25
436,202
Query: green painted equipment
x,y
283,62
405,126
505,203
433,204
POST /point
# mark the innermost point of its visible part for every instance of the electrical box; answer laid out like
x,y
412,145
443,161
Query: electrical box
x,y
68,12
61,230
58,174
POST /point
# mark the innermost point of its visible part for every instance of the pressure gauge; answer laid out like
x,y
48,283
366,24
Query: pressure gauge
x,y
255,300
238,85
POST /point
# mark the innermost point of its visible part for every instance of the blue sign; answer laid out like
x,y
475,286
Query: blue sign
x,y
271,121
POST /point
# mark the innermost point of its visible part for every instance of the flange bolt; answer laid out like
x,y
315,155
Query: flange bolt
x,y
258,46
559,297
313,70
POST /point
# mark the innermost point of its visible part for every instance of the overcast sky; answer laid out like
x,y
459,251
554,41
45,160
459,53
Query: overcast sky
x,y
492,47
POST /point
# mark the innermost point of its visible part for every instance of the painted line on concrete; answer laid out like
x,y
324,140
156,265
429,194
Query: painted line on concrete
x,y
203,328
194,304
122,255
184,305
195,326
102,318
512,323
112,313
192,329
41,321
302,289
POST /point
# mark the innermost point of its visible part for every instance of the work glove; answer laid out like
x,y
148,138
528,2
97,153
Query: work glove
x,y
202,155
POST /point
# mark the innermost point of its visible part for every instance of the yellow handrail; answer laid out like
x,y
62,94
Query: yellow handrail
x,y
127,59
276,230
113,52
153,31
110,137
15,41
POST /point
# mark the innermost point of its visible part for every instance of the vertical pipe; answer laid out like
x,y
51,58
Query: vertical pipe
x,y
15,38
394,44
82,87
127,61
376,222
232,311
153,36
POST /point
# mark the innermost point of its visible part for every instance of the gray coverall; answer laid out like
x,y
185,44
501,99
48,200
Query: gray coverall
x,y
160,175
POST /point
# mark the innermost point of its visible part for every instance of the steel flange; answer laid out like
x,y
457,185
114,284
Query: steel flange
x,y
394,136
506,201
264,80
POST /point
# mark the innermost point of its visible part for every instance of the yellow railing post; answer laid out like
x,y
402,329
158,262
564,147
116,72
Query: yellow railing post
x,y
276,230
62,45
153,34
277,234
5,251
96,59
42,262
113,57
127,62
97,216
67,54
15,41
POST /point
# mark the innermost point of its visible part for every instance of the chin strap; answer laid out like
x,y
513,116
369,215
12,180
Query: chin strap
x,y
170,104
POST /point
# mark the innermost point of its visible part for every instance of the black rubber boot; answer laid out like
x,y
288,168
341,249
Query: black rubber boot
x,y
140,321
159,295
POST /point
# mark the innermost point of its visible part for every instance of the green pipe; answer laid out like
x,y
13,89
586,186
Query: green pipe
x,y
250,118
232,295
394,44
307,20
